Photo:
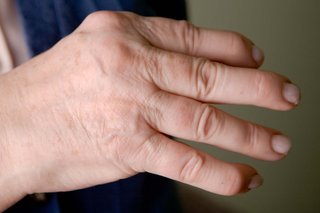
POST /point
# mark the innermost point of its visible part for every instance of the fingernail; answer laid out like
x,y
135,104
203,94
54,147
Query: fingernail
x,y
257,54
281,144
255,182
291,93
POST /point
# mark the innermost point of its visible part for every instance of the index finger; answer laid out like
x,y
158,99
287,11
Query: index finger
x,y
182,37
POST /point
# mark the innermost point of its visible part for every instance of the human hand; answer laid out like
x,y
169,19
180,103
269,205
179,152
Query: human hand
x,y
97,107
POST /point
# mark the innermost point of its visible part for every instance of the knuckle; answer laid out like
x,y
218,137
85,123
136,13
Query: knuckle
x,y
147,155
192,167
154,65
190,34
121,50
121,55
151,110
104,19
206,74
262,87
208,123
252,137
152,148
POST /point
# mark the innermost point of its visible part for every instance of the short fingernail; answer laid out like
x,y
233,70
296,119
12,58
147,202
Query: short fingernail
x,y
255,182
291,93
281,144
257,54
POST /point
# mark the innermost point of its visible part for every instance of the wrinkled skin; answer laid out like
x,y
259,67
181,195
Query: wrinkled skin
x,y
98,106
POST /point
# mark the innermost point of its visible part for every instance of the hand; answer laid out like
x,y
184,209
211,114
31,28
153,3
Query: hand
x,y
97,107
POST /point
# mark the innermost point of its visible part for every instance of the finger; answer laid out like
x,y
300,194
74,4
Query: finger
x,y
214,82
181,36
177,161
188,119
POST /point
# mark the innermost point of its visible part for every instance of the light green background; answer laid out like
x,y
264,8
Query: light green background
x,y
289,32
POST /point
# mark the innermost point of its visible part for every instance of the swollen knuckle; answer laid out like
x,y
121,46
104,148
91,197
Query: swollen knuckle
x,y
192,167
206,77
96,17
208,123
105,18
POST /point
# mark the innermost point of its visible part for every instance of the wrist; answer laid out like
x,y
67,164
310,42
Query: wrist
x,y
11,176
12,169
11,190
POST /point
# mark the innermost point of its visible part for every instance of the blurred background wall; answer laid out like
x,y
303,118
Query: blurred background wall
x,y
289,32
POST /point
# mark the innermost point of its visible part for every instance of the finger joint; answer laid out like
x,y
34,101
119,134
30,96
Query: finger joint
x,y
208,123
206,74
252,136
191,36
263,89
192,167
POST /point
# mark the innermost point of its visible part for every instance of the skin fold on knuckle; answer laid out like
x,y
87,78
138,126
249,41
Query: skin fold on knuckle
x,y
154,67
151,110
205,78
190,35
252,138
207,123
191,168
147,156
263,88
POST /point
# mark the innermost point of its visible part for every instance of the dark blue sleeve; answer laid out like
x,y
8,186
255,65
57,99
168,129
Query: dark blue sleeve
x,y
47,21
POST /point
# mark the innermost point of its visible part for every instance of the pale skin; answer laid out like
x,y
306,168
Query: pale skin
x,y
100,104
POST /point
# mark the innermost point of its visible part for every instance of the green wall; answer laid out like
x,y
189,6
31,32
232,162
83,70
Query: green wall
x,y
289,33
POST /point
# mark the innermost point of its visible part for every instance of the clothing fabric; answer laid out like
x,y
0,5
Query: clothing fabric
x,y
13,49
45,23
5,58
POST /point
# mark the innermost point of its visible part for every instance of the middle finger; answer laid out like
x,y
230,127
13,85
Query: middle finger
x,y
189,119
